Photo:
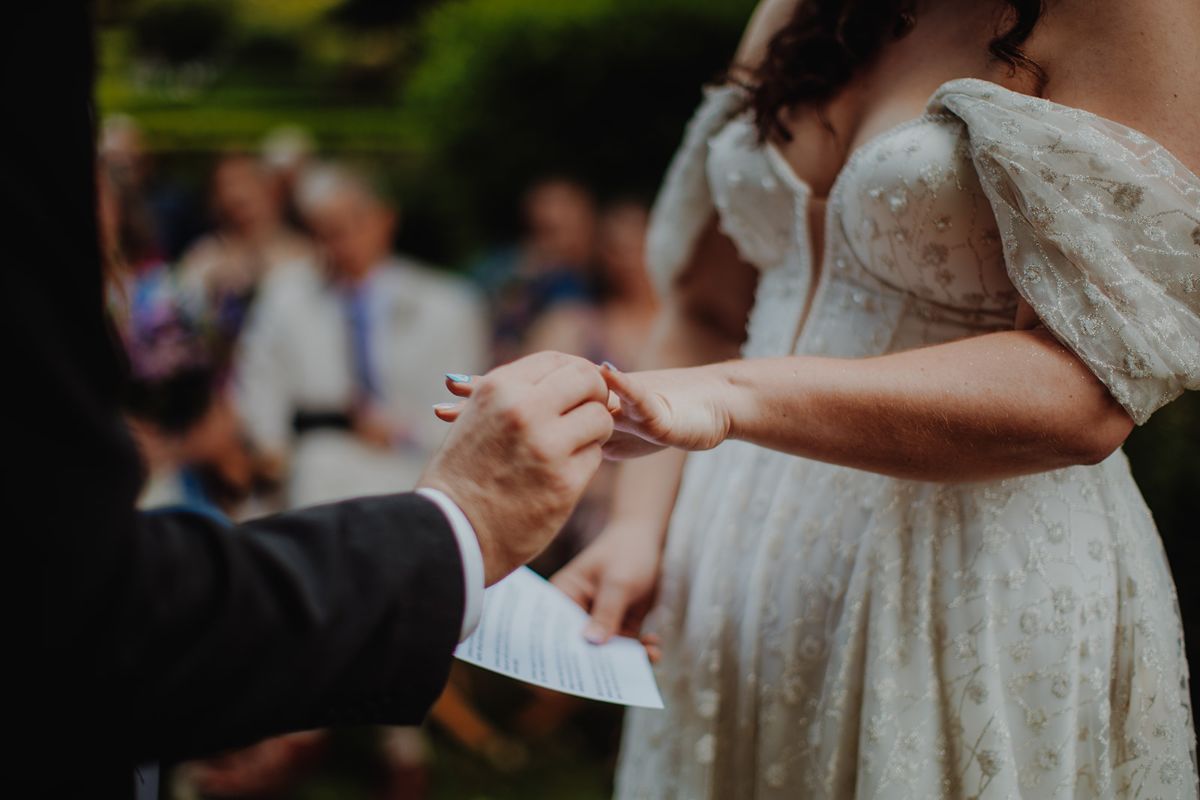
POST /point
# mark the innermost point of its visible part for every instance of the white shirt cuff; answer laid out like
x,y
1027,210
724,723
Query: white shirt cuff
x,y
472,559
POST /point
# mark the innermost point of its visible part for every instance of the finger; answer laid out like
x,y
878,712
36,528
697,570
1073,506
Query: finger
x,y
460,385
654,653
582,426
614,402
608,609
574,586
571,385
581,468
631,395
584,463
449,412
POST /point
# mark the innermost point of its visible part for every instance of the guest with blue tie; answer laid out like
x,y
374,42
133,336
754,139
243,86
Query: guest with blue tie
x,y
339,365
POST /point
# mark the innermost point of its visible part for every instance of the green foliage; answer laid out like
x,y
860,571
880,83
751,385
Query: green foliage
x,y
268,51
467,102
373,13
507,90
182,31
1165,457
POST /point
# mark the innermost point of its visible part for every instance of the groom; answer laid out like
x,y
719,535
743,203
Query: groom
x,y
168,635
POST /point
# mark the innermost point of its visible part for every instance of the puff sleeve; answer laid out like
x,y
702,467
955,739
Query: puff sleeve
x,y
1101,232
684,203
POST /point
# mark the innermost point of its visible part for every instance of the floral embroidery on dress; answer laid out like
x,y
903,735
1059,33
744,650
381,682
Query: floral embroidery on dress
x,y
834,633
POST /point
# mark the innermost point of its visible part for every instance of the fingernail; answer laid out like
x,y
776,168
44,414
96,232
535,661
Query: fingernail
x,y
443,406
594,634
455,377
610,365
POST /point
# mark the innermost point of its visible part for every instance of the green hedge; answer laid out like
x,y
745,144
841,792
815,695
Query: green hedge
x,y
507,90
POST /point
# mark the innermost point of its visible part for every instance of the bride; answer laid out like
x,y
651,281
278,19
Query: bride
x,y
938,258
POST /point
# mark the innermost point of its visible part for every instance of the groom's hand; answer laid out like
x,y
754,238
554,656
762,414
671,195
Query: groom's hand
x,y
521,453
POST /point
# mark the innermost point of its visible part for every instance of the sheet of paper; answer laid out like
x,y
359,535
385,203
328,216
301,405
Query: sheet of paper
x,y
533,632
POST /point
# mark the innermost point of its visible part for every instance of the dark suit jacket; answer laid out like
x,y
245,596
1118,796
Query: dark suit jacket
x,y
160,636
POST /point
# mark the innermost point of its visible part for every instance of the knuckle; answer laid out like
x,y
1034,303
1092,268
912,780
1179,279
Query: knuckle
x,y
545,449
581,368
604,418
591,372
598,383
512,416
592,456
487,388
497,395
540,453
618,583
550,358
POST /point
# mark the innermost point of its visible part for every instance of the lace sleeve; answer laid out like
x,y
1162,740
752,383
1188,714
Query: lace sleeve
x,y
684,203
1101,230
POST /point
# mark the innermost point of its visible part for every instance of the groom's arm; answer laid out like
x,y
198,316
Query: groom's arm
x,y
345,613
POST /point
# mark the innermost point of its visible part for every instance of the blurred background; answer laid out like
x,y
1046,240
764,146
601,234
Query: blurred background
x,y
312,209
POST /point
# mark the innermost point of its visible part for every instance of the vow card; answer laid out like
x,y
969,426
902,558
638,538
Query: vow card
x,y
533,632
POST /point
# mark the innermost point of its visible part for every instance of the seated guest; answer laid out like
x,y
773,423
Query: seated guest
x,y
339,366
172,216
548,272
180,417
250,241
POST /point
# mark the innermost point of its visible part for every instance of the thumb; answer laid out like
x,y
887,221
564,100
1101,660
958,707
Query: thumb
x,y
632,397
608,609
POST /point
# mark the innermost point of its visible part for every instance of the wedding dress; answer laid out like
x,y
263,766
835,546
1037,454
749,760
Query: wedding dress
x,y
834,633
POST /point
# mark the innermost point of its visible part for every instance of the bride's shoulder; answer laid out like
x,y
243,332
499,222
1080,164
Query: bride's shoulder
x,y
1133,62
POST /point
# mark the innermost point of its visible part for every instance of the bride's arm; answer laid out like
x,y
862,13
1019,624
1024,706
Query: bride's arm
x,y
990,406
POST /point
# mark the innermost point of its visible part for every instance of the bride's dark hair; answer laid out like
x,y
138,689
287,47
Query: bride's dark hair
x,y
813,56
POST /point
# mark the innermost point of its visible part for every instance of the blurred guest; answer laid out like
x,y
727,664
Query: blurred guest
x,y
629,303
339,365
619,324
183,423
172,216
549,270
251,240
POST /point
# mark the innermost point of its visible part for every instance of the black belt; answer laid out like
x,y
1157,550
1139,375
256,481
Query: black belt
x,y
305,421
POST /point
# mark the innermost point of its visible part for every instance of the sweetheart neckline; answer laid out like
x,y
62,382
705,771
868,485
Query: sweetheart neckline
x,y
802,191
784,171
799,186
819,280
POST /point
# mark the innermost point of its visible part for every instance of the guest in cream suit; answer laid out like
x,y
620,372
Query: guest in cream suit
x,y
339,365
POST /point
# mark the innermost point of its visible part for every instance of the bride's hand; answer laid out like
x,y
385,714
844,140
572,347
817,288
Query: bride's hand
x,y
686,409
615,579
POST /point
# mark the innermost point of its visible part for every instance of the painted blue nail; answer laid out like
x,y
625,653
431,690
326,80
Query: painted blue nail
x,y
610,365
455,377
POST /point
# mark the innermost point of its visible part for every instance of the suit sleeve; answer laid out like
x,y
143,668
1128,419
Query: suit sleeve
x,y
345,613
